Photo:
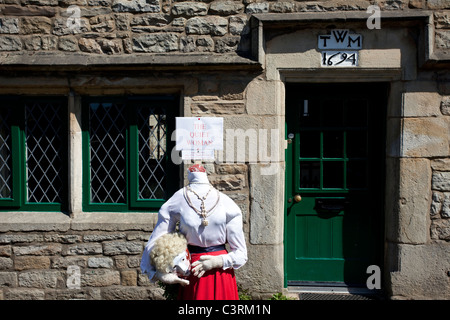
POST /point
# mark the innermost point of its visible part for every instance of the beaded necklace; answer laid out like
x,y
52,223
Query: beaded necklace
x,y
202,212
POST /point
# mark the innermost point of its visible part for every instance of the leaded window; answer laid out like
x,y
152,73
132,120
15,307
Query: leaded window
x,y
33,153
126,152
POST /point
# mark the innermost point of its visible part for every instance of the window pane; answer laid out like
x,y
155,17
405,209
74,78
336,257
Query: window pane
x,y
309,174
44,149
107,129
152,152
333,174
333,144
310,144
5,153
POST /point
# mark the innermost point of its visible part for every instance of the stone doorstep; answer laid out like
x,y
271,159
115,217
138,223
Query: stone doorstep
x,y
57,221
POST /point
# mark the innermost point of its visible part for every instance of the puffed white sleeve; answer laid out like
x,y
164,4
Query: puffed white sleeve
x,y
237,256
167,220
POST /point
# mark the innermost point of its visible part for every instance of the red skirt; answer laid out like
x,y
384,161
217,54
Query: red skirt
x,y
215,284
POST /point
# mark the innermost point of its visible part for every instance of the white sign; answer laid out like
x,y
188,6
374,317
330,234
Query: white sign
x,y
340,48
340,39
339,58
198,137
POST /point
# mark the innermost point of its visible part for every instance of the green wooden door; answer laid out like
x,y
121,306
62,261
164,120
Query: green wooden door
x,y
334,182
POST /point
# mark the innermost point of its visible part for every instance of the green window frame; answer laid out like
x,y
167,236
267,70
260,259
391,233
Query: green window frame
x,y
33,153
126,152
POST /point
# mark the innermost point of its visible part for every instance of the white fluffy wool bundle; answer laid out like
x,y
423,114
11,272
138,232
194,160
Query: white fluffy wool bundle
x,y
166,248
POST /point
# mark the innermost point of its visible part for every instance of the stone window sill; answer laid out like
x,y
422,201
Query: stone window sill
x,y
60,222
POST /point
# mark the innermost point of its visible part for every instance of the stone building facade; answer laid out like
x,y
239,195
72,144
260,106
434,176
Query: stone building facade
x,y
74,226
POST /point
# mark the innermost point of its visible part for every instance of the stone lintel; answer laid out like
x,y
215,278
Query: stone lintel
x,y
127,62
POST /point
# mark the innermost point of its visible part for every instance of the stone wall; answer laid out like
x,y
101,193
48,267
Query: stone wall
x,y
115,27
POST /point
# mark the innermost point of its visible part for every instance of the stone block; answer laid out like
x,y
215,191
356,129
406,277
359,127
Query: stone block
x,y
441,164
30,10
62,28
31,262
226,44
130,293
266,206
38,250
212,25
156,20
64,262
89,45
190,9
136,6
442,19
62,238
436,204
100,262
261,7
113,46
129,277
8,279
25,294
228,182
5,263
83,249
10,43
438,4
41,2
102,23
103,237
410,281
425,137
238,25
414,200
231,169
9,25
26,238
440,229
155,43
39,279
33,25
265,97
68,44
441,181
282,7
445,106
122,247
421,104
442,39
5,251
217,108
100,278
255,276
225,8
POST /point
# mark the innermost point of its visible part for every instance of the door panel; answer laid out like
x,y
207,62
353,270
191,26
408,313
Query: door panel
x,y
335,163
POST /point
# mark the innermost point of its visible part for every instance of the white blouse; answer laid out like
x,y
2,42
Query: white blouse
x,y
224,223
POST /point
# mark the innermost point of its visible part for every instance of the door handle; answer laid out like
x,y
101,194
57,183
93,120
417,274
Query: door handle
x,y
297,198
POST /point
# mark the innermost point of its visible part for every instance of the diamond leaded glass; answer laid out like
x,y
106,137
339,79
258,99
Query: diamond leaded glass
x,y
152,135
107,129
5,154
44,148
